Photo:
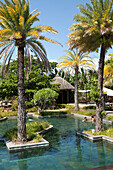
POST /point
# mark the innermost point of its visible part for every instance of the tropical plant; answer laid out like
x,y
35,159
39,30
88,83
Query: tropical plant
x,y
75,60
37,80
108,72
17,32
94,30
44,97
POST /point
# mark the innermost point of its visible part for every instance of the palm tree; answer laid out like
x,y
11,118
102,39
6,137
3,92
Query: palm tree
x,y
108,72
75,60
94,30
17,30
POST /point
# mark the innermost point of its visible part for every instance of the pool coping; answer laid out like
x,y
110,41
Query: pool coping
x,y
31,114
12,146
95,138
2,119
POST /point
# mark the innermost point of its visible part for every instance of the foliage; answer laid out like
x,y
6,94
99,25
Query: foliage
x,y
18,25
33,109
90,107
18,32
1,116
108,72
37,126
108,132
54,112
32,128
37,80
94,92
108,108
11,134
89,112
29,104
44,97
110,117
71,59
67,106
74,60
93,26
8,113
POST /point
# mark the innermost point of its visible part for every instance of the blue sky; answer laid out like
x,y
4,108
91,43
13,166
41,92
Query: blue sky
x,y
59,15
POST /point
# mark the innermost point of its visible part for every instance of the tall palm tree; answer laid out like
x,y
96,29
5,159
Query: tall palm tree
x,y
94,30
75,60
17,30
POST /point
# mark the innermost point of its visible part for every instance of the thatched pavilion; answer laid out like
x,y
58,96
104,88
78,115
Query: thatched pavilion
x,y
65,90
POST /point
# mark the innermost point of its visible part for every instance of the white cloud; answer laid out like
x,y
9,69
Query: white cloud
x,y
53,60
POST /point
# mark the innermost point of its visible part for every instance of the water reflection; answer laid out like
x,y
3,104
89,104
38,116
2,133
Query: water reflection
x,y
66,150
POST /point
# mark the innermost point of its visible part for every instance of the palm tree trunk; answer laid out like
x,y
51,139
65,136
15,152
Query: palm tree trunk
x,y
21,96
99,104
76,88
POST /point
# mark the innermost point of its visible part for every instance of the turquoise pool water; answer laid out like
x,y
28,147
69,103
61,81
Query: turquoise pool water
x,y
66,150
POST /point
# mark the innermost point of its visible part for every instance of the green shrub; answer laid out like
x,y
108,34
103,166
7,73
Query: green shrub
x,y
30,135
11,134
60,106
55,112
29,104
87,113
37,138
1,116
67,106
37,126
8,113
108,132
90,107
109,117
108,108
33,109
14,107
31,129
44,97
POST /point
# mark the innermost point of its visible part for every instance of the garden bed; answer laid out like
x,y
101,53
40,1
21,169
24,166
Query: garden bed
x,y
14,145
34,130
95,138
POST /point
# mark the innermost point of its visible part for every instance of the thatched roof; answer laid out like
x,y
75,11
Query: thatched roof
x,y
64,85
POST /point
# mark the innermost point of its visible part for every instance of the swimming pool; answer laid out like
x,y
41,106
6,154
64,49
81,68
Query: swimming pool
x,y
65,152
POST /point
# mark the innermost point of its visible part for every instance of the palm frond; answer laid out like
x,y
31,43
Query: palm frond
x,y
49,40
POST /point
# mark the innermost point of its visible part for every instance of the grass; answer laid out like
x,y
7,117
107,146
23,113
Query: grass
x,y
67,106
89,112
8,113
31,128
109,118
67,110
33,109
108,132
54,112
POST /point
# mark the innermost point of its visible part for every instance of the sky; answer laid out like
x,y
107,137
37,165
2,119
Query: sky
x,y
59,15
